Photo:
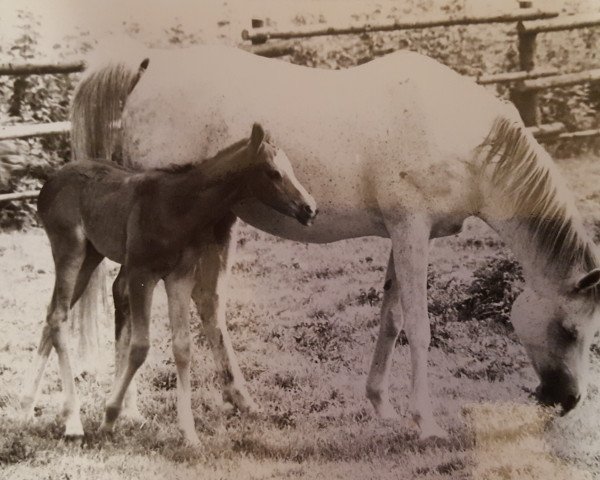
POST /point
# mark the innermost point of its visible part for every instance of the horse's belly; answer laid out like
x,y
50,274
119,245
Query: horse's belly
x,y
330,225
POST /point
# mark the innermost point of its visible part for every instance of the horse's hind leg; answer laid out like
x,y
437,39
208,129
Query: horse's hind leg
x,y
209,296
69,254
391,323
179,286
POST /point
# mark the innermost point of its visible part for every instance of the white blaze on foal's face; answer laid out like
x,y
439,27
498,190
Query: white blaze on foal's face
x,y
281,190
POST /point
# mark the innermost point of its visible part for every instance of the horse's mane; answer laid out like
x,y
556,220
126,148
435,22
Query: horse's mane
x,y
523,170
186,167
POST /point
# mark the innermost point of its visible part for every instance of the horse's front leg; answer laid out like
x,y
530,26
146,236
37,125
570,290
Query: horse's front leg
x,y
209,294
179,286
410,247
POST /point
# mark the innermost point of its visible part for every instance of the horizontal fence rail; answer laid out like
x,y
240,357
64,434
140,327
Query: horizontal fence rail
x,y
509,77
557,24
28,130
562,80
261,35
41,68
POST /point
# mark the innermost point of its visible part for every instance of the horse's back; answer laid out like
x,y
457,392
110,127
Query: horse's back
x,y
349,133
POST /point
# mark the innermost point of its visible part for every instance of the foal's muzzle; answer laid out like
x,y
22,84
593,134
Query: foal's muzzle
x,y
306,214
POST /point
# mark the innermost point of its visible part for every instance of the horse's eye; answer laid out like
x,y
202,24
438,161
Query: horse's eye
x,y
568,334
274,174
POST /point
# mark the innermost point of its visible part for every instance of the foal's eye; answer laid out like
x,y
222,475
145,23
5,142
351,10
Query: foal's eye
x,y
274,174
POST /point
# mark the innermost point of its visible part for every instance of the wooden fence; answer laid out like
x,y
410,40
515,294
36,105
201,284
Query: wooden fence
x,y
525,83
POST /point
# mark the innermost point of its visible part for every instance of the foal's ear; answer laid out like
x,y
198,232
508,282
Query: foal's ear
x,y
589,280
257,136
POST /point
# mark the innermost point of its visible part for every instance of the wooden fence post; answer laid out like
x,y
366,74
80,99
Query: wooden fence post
x,y
19,89
258,23
526,101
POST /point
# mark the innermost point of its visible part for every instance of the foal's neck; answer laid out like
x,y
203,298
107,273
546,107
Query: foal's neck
x,y
224,173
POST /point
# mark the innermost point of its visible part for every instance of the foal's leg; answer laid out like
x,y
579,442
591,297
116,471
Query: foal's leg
x,y
210,297
179,286
122,340
91,261
32,388
141,287
410,247
390,326
69,254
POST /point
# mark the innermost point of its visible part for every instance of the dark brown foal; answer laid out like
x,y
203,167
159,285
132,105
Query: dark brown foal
x,y
154,224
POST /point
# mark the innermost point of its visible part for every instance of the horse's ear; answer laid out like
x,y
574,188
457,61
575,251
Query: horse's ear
x,y
257,136
589,280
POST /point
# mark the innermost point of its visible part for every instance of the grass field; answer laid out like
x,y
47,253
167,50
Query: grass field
x,y
303,319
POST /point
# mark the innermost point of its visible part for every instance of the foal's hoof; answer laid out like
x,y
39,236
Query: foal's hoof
x,y
242,401
133,415
106,430
73,429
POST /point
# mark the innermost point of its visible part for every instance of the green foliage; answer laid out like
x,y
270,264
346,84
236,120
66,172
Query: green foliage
x,y
495,287
31,99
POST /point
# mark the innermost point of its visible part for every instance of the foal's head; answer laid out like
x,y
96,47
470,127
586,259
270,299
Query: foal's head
x,y
557,328
273,181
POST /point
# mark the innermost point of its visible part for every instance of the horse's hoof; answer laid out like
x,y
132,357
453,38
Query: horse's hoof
x,y
385,411
27,410
388,414
27,415
191,440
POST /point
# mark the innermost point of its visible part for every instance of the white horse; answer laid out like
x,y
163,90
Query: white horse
x,y
402,147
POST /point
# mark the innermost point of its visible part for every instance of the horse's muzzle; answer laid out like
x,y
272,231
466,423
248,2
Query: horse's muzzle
x,y
557,394
306,215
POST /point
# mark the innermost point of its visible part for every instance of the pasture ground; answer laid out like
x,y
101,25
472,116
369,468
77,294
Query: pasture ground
x,y
303,319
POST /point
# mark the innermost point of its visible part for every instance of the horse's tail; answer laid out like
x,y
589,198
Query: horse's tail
x,y
95,134
99,99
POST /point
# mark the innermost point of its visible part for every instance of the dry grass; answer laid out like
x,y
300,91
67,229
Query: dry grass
x,y
303,319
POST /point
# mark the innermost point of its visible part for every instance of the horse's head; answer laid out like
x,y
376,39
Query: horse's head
x,y
556,329
274,182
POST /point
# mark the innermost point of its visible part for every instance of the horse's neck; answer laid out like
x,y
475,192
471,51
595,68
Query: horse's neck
x,y
550,248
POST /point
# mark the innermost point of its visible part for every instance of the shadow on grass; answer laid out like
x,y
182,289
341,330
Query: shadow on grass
x,y
253,438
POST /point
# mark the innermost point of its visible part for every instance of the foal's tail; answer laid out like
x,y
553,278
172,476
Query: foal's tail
x,y
112,73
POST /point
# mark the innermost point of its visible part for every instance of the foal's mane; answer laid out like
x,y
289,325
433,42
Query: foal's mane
x,y
186,167
522,170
